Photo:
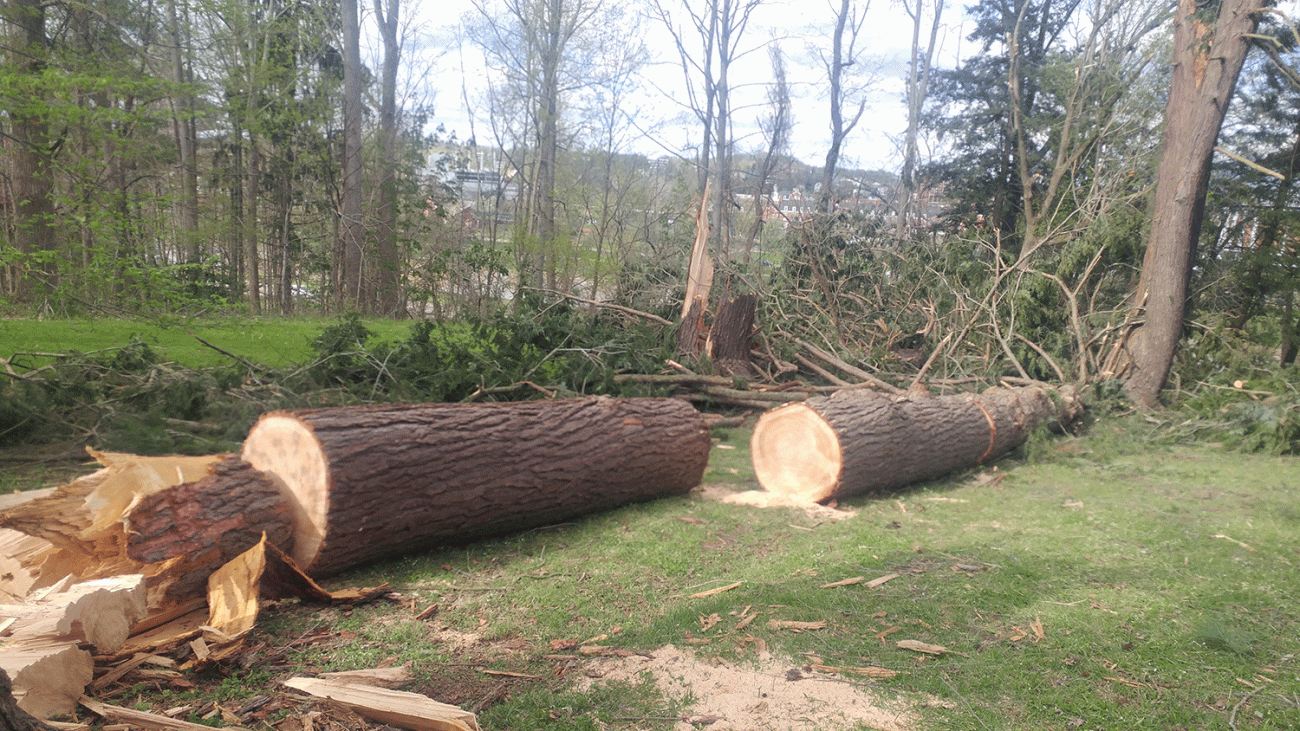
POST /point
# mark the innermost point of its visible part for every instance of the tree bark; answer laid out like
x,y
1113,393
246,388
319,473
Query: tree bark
x,y
207,523
1207,61
34,232
371,482
352,230
732,336
861,441
388,274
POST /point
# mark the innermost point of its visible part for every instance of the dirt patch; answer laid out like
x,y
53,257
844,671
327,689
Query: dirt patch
x,y
766,694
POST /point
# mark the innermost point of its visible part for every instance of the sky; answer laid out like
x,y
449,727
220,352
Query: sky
x,y
451,72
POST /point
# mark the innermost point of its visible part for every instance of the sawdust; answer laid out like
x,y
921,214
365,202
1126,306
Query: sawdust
x,y
762,499
766,694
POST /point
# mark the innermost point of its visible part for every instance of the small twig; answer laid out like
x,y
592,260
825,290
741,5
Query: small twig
x,y
1232,716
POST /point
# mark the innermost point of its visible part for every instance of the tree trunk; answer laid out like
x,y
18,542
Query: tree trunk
x,y
1207,61
370,482
389,265
861,441
352,230
33,181
732,336
207,523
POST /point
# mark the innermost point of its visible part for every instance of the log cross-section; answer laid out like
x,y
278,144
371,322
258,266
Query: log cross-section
x,y
859,441
370,482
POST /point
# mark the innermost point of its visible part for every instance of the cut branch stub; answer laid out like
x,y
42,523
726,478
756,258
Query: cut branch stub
x,y
861,441
370,482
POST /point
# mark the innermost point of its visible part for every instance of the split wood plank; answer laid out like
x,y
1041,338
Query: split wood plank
x,y
141,719
100,612
48,677
394,707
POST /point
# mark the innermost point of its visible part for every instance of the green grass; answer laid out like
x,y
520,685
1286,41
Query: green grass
x,y
1104,584
272,342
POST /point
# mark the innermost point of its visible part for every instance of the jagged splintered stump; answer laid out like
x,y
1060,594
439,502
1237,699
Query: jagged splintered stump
x,y
860,441
371,482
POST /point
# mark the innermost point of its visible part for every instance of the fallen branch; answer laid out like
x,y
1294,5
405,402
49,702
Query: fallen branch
x,y
605,305
849,369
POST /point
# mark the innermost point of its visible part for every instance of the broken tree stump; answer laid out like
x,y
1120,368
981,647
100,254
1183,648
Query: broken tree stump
x,y
732,336
370,482
860,441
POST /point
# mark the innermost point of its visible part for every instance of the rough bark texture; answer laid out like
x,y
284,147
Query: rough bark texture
x,y
208,523
861,441
371,482
732,336
1207,62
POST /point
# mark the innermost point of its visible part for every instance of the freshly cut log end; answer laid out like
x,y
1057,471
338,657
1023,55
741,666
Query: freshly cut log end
x,y
286,446
371,482
796,453
859,441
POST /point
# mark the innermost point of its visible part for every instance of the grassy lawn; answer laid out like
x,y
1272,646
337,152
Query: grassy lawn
x,y
1108,581
1098,582
273,342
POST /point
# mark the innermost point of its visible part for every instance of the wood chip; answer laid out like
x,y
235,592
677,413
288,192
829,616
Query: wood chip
x,y
712,592
845,582
870,671
381,677
141,719
509,674
881,579
393,707
1234,540
780,624
918,646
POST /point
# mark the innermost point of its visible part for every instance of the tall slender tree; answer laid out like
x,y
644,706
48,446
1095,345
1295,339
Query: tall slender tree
x,y
1210,46
32,151
351,236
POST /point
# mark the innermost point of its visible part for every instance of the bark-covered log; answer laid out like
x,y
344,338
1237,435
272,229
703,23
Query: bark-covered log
x,y
207,523
861,441
370,482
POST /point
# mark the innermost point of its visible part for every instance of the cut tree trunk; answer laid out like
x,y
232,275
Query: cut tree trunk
x,y
861,441
371,482
206,523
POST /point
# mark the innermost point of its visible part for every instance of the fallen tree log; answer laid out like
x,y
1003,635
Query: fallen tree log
x,y
199,526
860,441
369,482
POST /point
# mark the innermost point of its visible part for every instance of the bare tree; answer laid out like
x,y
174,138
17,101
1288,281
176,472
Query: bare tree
x,y
776,128
529,41
918,84
844,54
708,46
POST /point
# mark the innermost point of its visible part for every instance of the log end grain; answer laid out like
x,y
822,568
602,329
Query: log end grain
x,y
286,447
796,454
